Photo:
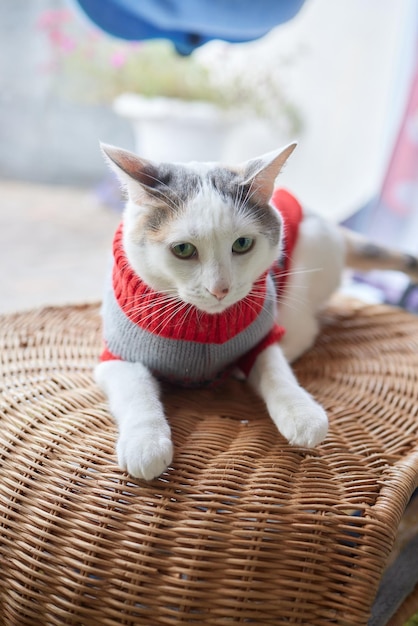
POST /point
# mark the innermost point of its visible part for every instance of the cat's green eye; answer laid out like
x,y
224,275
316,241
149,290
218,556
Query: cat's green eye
x,y
184,250
242,245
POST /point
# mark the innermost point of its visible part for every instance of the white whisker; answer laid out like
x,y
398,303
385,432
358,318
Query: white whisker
x,y
292,302
301,271
167,320
166,311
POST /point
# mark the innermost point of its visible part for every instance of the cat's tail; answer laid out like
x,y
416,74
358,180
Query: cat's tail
x,y
364,255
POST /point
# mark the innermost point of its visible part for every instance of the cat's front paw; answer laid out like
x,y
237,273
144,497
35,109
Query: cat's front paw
x,y
144,453
301,420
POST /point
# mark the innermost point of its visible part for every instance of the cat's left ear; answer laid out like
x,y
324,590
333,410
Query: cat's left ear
x,y
131,170
261,173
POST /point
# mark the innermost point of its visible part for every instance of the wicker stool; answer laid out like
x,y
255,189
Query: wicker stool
x,y
243,529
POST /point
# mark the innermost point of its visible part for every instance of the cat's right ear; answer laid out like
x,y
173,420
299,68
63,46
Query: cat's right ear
x,y
261,173
137,175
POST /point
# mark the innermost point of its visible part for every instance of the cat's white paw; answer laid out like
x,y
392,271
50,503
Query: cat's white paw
x,y
302,421
144,452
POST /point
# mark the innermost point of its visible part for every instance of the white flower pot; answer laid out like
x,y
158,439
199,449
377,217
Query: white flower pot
x,y
167,129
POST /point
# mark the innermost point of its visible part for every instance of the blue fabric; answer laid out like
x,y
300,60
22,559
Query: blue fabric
x,y
189,23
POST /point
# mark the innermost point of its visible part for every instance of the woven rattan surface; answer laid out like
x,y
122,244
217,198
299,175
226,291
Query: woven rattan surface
x,y
243,528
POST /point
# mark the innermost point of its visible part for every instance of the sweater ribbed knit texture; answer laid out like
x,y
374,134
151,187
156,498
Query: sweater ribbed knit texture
x,y
200,348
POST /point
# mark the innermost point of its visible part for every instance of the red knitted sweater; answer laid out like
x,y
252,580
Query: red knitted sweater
x,y
137,300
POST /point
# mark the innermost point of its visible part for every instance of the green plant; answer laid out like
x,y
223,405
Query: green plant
x,y
94,68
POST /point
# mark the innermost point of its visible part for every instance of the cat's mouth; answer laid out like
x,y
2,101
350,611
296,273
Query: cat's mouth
x,y
212,305
206,306
215,307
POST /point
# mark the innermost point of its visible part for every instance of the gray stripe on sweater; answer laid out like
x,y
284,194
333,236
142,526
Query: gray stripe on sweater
x,y
180,359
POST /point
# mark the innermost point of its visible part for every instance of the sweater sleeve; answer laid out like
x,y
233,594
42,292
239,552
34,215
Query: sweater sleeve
x,y
246,362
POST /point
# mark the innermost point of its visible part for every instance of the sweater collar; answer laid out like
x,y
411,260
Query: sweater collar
x,y
143,306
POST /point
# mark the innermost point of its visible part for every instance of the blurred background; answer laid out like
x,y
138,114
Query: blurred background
x,y
339,77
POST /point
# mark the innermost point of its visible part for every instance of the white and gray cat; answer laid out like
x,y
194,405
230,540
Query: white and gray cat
x,y
198,241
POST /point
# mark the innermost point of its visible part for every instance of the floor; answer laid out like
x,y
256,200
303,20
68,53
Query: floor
x,y
55,245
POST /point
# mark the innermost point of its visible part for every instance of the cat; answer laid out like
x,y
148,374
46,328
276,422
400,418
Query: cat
x,y
215,268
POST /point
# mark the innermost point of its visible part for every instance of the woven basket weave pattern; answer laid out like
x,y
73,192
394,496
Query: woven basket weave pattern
x,y
243,528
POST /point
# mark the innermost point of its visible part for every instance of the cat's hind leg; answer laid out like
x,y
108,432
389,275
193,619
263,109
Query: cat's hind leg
x,y
144,447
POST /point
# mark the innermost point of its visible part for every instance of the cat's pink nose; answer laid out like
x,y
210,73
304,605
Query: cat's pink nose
x,y
219,293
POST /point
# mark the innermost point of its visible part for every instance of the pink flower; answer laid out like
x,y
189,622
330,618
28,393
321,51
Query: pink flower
x,y
53,17
118,59
62,41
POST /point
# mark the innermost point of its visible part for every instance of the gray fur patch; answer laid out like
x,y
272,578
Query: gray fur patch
x,y
224,180
175,185
172,188
266,216
244,198
253,167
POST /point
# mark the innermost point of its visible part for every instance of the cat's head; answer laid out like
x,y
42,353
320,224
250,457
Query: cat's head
x,y
200,232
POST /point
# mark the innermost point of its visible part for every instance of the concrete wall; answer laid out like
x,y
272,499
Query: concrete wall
x,y
44,137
